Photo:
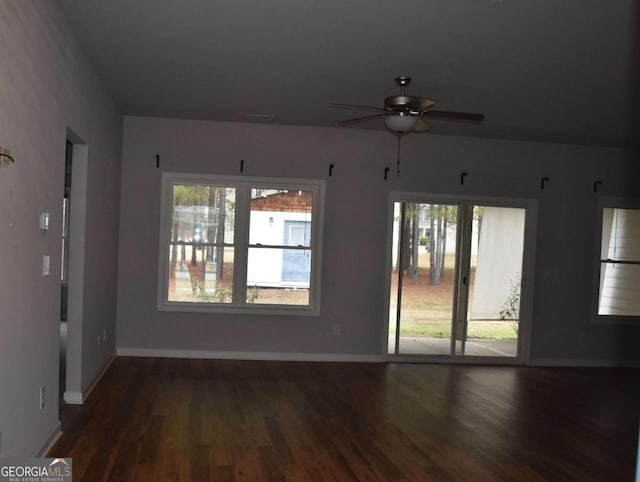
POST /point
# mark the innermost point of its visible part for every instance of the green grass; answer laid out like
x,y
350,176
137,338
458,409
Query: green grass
x,y
492,330
422,300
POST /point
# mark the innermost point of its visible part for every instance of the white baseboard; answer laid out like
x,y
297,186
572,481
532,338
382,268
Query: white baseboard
x,y
73,398
584,363
339,357
237,355
78,398
50,440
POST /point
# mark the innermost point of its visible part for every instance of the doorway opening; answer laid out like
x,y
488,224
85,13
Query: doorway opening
x,y
457,279
64,275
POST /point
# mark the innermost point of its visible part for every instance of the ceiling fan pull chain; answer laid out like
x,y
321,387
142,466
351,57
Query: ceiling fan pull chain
x,y
398,155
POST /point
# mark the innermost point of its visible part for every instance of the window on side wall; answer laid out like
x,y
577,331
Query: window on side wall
x,y
230,244
619,263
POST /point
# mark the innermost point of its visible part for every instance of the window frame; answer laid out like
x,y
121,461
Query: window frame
x,y
611,203
243,186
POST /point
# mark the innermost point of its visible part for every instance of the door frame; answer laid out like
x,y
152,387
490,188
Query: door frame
x,y
528,269
77,238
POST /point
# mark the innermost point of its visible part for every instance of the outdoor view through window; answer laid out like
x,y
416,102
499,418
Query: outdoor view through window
x,y
201,254
455,279
240,244
619,288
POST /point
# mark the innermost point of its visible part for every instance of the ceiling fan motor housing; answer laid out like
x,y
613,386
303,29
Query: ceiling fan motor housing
x,y
397,102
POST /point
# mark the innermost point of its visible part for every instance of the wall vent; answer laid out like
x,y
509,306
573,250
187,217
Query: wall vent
x,y
260,117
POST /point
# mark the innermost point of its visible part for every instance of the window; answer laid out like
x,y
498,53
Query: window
x,y
619,284
240,244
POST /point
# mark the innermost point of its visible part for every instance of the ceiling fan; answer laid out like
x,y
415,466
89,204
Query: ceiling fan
x,y
404,114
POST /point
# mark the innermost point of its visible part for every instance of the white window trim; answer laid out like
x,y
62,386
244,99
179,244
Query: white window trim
x,y
241,240
608,202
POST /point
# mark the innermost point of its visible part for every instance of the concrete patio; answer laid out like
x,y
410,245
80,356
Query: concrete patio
x,y
422,345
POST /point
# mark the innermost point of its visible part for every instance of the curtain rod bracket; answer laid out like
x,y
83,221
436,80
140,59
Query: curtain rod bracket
x,y
5,157
596,184
542,181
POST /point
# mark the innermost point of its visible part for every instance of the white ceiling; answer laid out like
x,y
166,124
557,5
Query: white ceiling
x,y
549,70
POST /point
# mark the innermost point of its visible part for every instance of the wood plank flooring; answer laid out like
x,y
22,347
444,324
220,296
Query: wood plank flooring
x,y
218,420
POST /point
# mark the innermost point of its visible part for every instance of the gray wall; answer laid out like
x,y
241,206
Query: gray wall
x,y
354,246
47,86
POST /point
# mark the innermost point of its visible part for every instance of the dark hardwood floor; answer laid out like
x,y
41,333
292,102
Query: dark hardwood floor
x,y
206,420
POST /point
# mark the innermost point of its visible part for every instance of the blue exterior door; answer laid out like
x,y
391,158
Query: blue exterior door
x,y
296,263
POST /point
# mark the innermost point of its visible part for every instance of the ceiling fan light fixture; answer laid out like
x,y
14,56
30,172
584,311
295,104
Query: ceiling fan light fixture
x,y
400,124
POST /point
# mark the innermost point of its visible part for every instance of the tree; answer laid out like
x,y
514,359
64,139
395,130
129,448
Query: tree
x,y
221,220
449,219
410,241
436,256
188,196
478,213
441,219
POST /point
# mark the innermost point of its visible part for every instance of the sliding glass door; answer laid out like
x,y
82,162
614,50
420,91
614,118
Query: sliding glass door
x,y
456,271
422,280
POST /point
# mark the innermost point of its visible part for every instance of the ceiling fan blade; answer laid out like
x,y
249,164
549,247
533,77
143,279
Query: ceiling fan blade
x,y
356,107
360,119
421,125
421,104
454,116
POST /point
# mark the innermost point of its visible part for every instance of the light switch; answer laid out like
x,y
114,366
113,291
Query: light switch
x,y
44,221
45,265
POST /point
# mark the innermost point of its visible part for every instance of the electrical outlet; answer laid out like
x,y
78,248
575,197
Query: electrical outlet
x,y
41,397
337,329
46,265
